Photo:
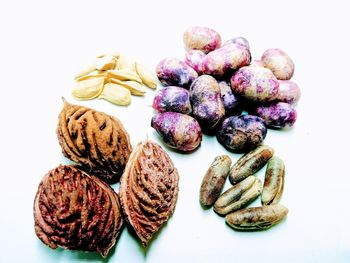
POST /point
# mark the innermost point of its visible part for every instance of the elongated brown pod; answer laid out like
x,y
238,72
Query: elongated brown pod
x,y
76,211
148,189
274,181
250,163
97,142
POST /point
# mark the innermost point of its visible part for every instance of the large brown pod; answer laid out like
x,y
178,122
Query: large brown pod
x,y
76,211
97,142
148,189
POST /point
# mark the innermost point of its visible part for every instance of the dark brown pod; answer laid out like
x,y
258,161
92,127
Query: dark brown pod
x,y
148,189
97,142
75,211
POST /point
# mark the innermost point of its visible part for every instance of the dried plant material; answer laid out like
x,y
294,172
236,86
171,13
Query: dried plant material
x,y
115,54
86,71
124,74
257,218
148,189
238,196
106,62
116,94
214,180
125,63
134,87
88,89
250,163
75,211
96,141
147,77
274,181
93,74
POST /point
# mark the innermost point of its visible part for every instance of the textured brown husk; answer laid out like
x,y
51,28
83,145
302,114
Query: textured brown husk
x,y
76,211
148,189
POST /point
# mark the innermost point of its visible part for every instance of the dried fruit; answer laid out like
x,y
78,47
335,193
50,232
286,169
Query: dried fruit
x,y
96,141
93,74
174,99
147,77
123,74
257,218
148,189
125,63
277,115
274,181
86,71
238,196
134,87
106,62
250,163
279,62
116,94
88,89
214,180
76,211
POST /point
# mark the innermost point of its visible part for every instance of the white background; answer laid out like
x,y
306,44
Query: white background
x,y
44,43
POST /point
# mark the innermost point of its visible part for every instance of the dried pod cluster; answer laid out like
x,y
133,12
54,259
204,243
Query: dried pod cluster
x,y
76,211
97,142
148,189
113,78
246,188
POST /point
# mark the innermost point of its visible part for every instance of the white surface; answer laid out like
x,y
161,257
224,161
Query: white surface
x,y
43,43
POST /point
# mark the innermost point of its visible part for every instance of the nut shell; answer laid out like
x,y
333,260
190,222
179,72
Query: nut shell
x,y
76,211
96,141
148,189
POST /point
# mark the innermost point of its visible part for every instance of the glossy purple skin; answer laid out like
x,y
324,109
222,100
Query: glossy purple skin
x,y
289,92
194,59
225,60
242,133
207,106
279,63
201,38
174,72
255,83
231,104
174,99
277,115
238,40
178,131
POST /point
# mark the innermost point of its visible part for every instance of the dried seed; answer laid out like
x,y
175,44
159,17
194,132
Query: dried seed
x,y
105,62
134,87
274,181
214,180
257,218
125,63
86,71
147,77
116,94
238,196
123,74
88,89
250,163
93,74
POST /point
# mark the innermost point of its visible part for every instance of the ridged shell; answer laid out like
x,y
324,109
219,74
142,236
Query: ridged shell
x,y
148,189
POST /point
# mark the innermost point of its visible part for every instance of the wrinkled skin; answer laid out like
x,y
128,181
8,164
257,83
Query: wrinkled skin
x,y
178,131
201,38
242,133
174,99
225,60
277,115
174,72
255,83
194,59
289,92
279,63
231,104
240,41
207,106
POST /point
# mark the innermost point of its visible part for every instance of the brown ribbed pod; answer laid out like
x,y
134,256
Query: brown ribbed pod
x,y
76,211
97,142
148,189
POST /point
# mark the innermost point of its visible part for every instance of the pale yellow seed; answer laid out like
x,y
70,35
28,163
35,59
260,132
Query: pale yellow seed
x,y
106,62
125,63
134,87
147,77
85,71
116,94
93,74
88,89
123,74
